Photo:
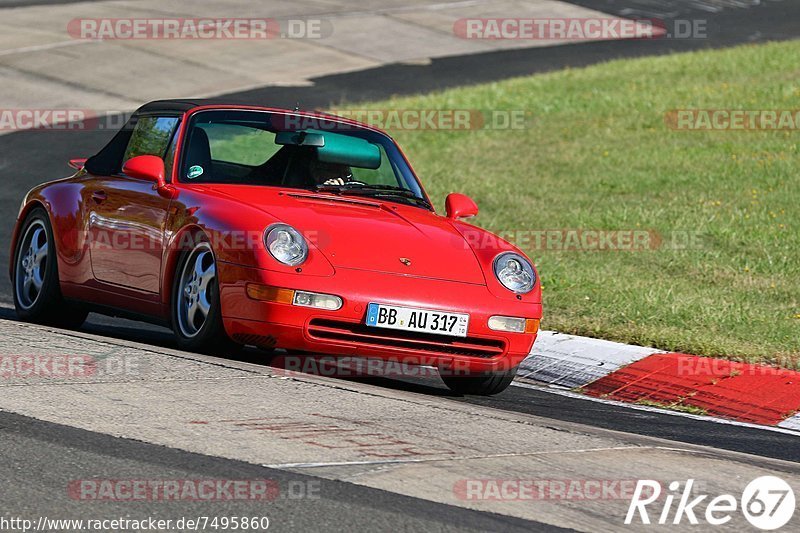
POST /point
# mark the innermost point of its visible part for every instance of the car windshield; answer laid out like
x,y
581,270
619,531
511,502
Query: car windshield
x,y
298,152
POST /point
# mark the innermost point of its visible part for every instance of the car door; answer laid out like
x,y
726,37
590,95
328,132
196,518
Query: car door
x,y
127,216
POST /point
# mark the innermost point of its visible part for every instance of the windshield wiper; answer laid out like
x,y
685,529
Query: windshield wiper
x,y
375,191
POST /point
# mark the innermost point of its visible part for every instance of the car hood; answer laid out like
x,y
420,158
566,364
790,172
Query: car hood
x,y
367,234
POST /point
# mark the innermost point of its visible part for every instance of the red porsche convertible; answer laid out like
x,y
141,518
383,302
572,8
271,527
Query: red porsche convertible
x,y
242,225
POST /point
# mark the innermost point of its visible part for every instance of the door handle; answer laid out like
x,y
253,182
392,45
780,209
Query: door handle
x,y
99,196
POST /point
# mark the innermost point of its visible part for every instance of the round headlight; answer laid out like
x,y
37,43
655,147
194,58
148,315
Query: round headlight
x,y
514,272
286,244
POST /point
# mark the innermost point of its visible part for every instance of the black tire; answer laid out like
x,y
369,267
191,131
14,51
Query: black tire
x,y
487,384
208,337
34,281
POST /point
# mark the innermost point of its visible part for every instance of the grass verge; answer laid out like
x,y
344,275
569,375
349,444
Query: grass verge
x,y
597,154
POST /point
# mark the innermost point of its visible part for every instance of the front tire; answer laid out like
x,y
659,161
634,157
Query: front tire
x,y
35,283
487,384
196,309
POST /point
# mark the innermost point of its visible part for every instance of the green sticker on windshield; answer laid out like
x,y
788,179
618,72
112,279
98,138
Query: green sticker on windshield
x,y
195,171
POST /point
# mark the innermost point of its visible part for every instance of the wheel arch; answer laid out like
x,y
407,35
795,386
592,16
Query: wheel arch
x,y
175,250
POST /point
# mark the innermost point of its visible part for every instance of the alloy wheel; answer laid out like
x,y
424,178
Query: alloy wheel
x,y
31,265
195,291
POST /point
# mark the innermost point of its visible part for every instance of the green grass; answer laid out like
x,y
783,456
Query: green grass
x,y
677,406
597,154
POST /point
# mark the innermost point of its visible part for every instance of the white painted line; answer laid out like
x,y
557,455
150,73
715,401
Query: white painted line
x,y
781,428
573,361
455,458
404,9
48,46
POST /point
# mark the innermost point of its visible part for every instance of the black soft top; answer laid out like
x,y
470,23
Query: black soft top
x,y
185,104
168,106
109,160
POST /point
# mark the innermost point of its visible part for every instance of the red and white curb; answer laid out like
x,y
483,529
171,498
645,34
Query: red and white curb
x,y
742,392
571,361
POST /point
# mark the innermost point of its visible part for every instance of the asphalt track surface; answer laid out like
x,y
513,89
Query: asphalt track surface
x,y
533,401
30,448
52,454
26,3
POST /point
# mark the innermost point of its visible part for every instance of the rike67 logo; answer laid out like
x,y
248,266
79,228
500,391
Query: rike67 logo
x,y
767,502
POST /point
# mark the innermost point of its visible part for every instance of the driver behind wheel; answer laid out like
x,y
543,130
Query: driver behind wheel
x,y
330,173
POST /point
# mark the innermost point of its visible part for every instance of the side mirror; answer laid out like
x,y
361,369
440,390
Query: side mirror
x,y
460,206
146,167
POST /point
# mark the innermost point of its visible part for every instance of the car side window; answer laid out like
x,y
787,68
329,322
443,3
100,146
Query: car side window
x,y
151,136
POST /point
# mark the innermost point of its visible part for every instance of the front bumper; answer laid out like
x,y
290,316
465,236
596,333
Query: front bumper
x,y
343,332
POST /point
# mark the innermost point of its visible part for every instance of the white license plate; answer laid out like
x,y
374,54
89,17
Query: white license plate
x,y
421,320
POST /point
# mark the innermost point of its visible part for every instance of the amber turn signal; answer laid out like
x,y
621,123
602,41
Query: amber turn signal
x,y
532,325
265,293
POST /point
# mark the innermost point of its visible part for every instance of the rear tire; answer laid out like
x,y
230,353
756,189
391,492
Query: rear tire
x,y
36,286
480,384
195,308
